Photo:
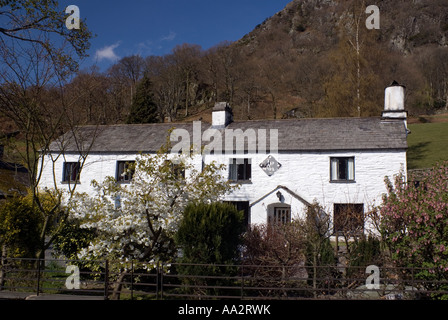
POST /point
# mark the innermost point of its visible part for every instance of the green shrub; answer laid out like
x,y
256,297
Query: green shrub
x,y
209,234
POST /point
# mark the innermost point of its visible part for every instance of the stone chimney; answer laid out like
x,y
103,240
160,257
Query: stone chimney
x,y
394,103
222,115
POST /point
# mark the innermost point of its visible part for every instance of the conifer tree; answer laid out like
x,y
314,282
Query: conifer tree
x,y
209,236
143,109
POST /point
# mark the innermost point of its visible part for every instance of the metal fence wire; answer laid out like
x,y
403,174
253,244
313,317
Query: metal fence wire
x,y
134,280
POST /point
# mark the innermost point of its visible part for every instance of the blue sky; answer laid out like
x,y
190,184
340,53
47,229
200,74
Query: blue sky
x,y
130,27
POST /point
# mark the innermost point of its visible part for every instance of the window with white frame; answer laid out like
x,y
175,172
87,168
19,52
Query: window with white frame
x,y
240,170
342,169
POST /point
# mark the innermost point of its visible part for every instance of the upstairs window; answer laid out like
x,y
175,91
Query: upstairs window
x,y
71,172
125,171
240,170
176,169
342,169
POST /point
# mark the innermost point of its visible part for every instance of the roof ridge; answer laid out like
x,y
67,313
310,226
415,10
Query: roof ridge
x,y
235,121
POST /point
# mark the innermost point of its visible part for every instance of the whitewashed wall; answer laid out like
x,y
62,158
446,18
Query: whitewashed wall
x,y
97,167
306,174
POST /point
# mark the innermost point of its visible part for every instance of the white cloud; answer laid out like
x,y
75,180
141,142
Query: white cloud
x,y
170,37
145,48
107,53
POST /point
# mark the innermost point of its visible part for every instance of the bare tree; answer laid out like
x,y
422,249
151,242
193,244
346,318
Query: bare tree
x,y
354,68
229,59
38,55
127,72
93,93
211,72
433,63
187,58
168,85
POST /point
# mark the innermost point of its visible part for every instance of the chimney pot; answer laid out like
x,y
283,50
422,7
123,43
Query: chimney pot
x,y
394,103
394,97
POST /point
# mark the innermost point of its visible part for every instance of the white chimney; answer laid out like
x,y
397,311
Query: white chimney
x,y
222,115
394,103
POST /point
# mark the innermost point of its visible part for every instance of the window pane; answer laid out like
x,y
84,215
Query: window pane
x,y
342,169
117,201
71,172
232,170
66,173
279,216
120,170
125,171
334,169
248,169
179,171
351,169
75,171
240,169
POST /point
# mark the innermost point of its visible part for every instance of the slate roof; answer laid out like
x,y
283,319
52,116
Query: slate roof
x,y
293,135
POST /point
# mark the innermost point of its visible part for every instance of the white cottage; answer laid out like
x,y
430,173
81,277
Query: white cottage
x,y
282,166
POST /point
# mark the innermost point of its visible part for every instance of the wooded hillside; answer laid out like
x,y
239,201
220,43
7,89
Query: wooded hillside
x,y
315,58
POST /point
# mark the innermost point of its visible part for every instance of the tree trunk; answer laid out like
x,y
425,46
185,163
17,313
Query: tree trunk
x,y
187,94
274,104
119,285
446,98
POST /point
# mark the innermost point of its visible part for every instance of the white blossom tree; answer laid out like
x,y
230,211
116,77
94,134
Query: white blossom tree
x,y
137,221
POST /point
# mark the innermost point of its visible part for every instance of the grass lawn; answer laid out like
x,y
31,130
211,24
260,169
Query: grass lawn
x,y
428,144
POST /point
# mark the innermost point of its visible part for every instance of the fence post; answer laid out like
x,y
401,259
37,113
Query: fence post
x,y
159,280
132,279
38,277
242,281
3,268
106,281
328,280
412,279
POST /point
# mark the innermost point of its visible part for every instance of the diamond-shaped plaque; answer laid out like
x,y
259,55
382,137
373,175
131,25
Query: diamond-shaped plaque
x,y
270,165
